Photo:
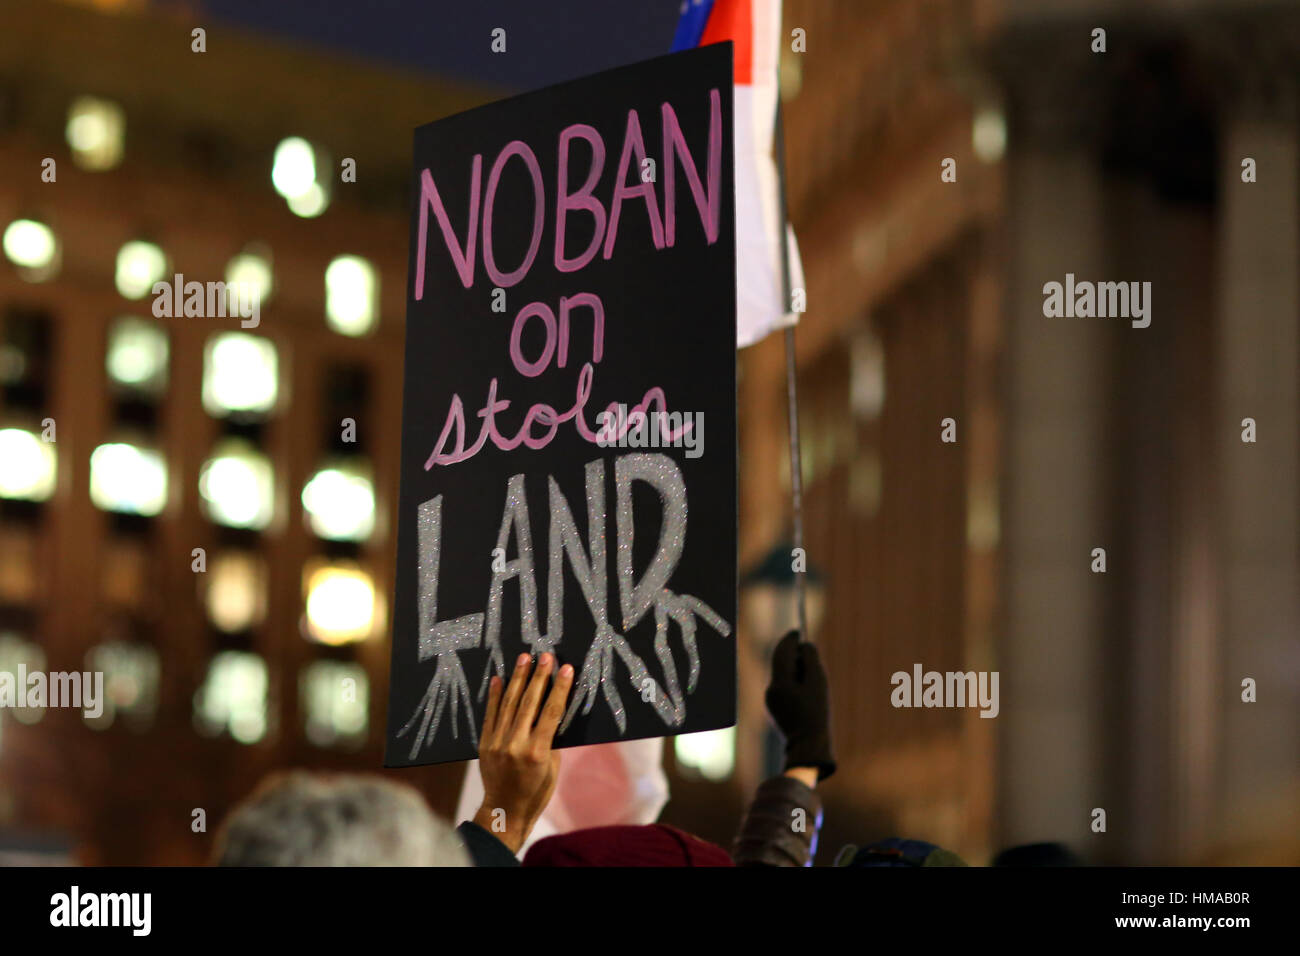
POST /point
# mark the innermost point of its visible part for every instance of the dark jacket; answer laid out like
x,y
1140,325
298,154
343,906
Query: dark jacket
x,y
774,832
483,847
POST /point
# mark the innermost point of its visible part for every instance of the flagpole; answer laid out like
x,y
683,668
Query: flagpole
x,y
791,388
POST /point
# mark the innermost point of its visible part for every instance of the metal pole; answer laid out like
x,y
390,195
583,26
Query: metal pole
x,y
792,392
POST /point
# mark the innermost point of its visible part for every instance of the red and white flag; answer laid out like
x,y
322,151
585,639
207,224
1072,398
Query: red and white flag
x,y
754,27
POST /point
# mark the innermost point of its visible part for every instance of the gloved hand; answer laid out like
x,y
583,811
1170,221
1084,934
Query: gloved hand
x,y
798,698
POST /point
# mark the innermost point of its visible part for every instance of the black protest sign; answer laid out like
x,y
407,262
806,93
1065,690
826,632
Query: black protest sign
x,y
568,462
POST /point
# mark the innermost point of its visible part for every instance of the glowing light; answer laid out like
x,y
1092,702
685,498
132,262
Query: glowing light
x,y
989,135
238,486
139,265
128,479
866,376
137,355
33,248
712,753
351,295
293,171
240,374
340,502
311,203
335,697
96,132
131,673
340,604
27,465
236,592
16,652
233,698
253,271
791,76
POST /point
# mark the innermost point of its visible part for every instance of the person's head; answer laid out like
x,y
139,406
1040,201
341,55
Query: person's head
x,y
1038,854
654,844
308,819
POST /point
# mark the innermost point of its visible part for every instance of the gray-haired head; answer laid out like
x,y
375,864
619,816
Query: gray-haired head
x,y
307,819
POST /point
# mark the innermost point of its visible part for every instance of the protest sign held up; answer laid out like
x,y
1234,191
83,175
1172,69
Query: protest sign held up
x,y
568,479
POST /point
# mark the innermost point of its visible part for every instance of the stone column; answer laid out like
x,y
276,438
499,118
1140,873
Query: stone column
x,y
1258,353
1050,737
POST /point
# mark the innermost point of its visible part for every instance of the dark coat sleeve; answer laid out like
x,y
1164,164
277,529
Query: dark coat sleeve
x,y
773,832
484,848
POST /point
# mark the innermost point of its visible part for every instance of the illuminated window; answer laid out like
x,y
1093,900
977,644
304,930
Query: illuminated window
x,y
96,132
989,135
128,479
33,248
27,465
294,168
252,269
237,485
139,265
131,672
296,176
351,295
233,698
16,653
236,591
340,501
137,355
311,203
341,604
711,753
335,700
791,76
240,374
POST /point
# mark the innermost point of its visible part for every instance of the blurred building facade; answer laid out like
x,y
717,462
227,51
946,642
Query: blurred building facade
x,y
1121,691
1118,691
272,448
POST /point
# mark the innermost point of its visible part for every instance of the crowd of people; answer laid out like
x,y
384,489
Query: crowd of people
x,y
307,819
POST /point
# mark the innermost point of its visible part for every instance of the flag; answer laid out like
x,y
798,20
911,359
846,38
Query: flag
x,y
754,27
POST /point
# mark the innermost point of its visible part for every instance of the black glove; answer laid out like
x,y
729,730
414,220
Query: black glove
x,y
798,699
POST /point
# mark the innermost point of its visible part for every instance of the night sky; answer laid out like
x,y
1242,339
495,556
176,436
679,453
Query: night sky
x,y
547,41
